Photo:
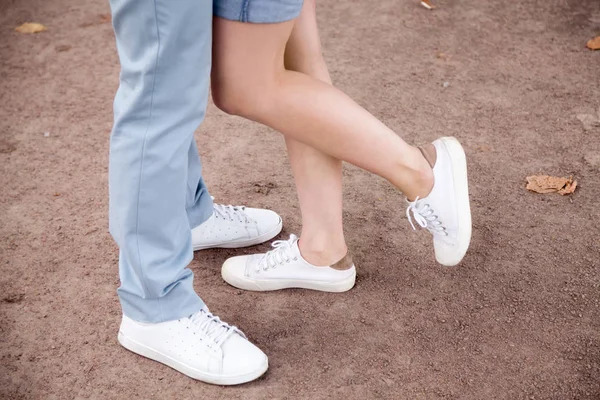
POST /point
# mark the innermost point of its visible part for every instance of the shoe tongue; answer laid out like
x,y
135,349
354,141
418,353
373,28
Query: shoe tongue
x,y
294,246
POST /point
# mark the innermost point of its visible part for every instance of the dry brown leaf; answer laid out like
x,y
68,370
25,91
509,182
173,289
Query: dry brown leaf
x,y
545,184
594,43
551,184
569,188
427,4
30,27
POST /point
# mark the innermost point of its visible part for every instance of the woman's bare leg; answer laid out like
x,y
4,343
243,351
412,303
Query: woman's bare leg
x,y
318,176
249,79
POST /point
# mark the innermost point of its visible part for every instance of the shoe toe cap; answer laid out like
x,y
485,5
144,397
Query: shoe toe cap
x,y
234,266
266,220
447,254
240,357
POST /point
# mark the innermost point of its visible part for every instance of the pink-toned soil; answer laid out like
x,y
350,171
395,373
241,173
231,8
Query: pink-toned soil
x,y
519,319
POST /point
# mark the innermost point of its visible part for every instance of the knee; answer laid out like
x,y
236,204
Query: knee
x,y
227,99
243,98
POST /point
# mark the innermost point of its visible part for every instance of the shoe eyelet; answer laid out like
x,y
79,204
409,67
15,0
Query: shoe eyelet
x,y
295,258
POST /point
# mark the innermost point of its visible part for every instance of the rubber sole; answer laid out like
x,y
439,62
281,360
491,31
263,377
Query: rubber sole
x,y
206,377
265,237
279,284
461,194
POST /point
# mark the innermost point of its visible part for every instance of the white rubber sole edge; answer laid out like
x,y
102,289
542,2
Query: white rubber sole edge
x,y
279,284
461,185
206,377
265,237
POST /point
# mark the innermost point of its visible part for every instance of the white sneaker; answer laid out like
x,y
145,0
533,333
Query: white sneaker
x,y
445,212
284,268
202,347
236,226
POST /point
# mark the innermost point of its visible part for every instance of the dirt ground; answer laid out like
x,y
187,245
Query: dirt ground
x,y
518,319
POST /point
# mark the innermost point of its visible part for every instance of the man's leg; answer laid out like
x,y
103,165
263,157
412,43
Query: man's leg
x,y
199,204
157,192
165,53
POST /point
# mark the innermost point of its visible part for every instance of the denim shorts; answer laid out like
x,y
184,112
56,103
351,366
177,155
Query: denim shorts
x,y
257,11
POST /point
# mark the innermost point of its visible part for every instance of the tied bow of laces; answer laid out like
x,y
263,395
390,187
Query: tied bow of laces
x,y
213,328
230,213
281,253
425,217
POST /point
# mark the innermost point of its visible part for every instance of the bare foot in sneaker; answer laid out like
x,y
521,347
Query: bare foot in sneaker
x,y
445,211
200,346
236,226
284,267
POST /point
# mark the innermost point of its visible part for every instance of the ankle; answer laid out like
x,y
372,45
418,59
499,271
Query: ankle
x,y
421,182
322,252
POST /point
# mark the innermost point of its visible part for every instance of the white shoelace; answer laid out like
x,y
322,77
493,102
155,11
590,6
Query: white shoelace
x,y
213,328
231,213
425,217
281,253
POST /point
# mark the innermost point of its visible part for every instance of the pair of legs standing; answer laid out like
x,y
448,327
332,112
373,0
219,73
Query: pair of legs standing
x,y
274,74
270,73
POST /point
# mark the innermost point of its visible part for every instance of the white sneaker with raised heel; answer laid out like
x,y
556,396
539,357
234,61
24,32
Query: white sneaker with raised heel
x,y
284,267
446,212
232,227
201,346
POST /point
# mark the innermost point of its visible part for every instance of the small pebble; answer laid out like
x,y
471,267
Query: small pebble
x,y
46,134
446,84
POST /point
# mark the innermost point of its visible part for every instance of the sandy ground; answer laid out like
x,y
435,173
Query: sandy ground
x,y
519,319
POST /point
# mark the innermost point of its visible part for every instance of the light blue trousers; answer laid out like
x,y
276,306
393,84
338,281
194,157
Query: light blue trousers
x,y
155,180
